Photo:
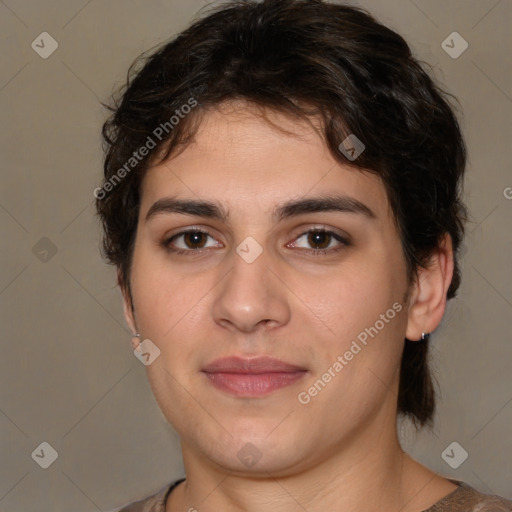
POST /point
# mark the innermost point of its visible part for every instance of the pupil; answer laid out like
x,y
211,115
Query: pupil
x,y
195,239
319,239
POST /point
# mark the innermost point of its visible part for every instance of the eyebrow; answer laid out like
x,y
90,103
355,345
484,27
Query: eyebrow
x,y
292,208
330,203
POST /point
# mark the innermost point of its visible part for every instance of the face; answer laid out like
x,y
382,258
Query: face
x,y
257,245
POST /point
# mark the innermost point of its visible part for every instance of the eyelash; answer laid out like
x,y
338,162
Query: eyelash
x,y
343,242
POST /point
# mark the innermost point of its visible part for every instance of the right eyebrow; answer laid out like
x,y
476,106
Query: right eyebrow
x,y
187,207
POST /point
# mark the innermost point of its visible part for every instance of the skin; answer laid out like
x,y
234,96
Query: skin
x,y
340,451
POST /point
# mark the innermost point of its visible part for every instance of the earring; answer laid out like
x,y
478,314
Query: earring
x,y
135,340
425,336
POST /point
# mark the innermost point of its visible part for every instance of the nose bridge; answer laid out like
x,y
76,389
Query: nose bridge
x,y
250,294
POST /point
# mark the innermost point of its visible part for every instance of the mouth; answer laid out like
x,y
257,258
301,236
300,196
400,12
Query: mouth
x,y
252,377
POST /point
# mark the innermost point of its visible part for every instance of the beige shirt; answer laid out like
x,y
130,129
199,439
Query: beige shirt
x,y
462,499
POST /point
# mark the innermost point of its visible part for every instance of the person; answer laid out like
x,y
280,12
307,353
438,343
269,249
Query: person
x,y
282,201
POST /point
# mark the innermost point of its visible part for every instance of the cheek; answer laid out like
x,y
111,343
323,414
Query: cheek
x,y
357,313
162,295
350,298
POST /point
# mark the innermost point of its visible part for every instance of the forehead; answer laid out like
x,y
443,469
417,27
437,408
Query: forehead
x,y
241,154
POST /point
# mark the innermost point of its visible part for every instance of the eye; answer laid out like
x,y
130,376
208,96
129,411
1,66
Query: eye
x,y
189,241
320,241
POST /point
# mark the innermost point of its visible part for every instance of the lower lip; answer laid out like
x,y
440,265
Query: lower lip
x,y
252,385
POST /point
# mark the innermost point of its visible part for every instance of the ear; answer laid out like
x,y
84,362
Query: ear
x,y
127,303
427,301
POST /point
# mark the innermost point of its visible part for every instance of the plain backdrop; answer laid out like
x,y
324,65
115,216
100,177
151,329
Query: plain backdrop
x,y
68,374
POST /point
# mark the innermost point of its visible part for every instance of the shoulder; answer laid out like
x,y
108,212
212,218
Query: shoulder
x,y
467,499
486,503
154,502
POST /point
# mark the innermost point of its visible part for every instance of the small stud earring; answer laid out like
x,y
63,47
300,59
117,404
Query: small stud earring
x,y
135,340
425,336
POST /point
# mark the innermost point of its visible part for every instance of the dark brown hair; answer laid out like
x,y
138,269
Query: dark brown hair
x,y
303,58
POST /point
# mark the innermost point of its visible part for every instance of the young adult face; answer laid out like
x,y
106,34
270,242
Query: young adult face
x,y
303,300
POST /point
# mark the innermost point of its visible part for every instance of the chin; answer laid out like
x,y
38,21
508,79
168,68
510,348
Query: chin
x,y
254,447
251,458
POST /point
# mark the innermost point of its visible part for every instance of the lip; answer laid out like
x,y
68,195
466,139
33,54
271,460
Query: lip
x,y
252,377
253,365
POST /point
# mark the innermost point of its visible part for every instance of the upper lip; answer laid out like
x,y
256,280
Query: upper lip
x,y
255,365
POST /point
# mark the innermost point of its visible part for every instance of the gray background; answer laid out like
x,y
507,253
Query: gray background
x,y
68,375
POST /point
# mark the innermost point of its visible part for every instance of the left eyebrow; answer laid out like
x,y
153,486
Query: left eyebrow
x,y
330,203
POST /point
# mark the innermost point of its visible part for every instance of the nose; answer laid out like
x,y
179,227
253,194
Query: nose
x,y
251,297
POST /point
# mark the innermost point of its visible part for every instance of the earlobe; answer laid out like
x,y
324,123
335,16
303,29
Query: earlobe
x,y
428,298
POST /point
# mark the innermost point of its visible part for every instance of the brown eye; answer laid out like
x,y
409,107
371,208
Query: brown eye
x,y
195,239
190,241
319,239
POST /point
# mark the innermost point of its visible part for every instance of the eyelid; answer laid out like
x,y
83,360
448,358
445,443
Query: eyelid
x,y
337,233
188,229
341,244
166,242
